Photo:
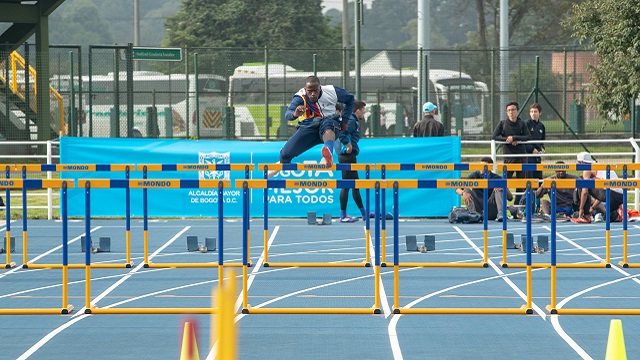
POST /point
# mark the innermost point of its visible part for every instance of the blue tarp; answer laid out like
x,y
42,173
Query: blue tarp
x,y
282,202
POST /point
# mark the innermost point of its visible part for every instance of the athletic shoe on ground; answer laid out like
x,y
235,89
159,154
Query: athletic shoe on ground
x,y
585,219
499,216
348,219
560,217
598,218
387,216
327,156
534,219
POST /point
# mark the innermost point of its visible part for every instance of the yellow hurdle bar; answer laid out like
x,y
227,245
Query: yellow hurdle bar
x,y
309,311
195,167
70,167
315,265
598,311
313,167
189,265
152,311
28,311
304,184
74,266
443,265
465,311
562,266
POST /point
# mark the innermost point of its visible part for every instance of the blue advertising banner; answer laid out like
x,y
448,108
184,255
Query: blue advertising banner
x,y
281,202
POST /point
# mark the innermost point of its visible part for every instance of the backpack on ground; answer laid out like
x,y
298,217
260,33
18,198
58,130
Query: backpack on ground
x,y
460,215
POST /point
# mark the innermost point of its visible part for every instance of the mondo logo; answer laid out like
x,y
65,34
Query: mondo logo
x,y
154,183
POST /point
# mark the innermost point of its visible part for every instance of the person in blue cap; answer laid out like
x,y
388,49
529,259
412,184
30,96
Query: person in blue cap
x,y
428,126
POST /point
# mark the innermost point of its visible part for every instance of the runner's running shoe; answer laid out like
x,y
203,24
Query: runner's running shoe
x,y
327,155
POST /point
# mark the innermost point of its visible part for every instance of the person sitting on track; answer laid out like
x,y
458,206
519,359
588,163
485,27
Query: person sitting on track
x,y
473,197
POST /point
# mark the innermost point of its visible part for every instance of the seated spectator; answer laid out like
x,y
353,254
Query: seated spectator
x,y
473,198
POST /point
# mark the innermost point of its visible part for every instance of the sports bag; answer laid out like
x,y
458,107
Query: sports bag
x,y
460,215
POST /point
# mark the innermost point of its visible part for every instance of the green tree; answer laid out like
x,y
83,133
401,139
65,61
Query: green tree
x,y
531,23
612,27
80,23
250,23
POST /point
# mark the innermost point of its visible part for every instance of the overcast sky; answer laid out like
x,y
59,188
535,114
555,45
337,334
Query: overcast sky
x,y
337,4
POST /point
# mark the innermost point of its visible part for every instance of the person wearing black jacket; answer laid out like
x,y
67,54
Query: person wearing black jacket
x,y
428,126
512,131
538,132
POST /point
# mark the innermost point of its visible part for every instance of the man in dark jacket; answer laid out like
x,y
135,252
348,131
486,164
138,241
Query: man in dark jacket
x,y
538,132
512,131
428,126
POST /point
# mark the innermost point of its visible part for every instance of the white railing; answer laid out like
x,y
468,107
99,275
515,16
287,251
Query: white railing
x,y
49,156
611,157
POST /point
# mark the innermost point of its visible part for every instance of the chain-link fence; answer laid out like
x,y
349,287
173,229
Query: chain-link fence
x,y
224,93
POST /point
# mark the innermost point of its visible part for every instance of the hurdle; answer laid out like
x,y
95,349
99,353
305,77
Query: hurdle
x,y
46,184
247,168
361,184
24,168
311,167
569,183
411,167
625,218
485,184
156,184
608,184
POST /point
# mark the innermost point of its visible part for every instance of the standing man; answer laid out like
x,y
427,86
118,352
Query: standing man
x,y
538,132
512,130
473,198
347,155
314,107
428,126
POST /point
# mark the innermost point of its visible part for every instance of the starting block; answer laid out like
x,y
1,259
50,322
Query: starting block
x,y
540,246
430,242
12,243
543,242
412,243
104,245
311,217
510,242
523,242
210,243
194,245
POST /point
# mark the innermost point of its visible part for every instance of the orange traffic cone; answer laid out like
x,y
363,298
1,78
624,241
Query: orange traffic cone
x,y
189,345
615,344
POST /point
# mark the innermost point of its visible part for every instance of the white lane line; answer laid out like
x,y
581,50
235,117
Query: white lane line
x,y
75,318
555,321
391,329
49,336
384,301
49,252
505,277
135,270
251,277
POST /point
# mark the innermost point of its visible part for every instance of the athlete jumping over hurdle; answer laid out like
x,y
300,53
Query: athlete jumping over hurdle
x,y
314,107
